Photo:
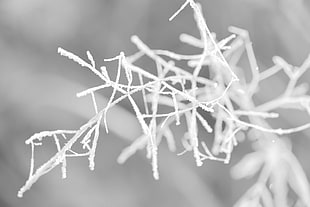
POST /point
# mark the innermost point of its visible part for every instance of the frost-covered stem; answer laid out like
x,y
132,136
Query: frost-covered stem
x,y
205,28
92,151
143,47
120,60
269,72
251,57
193,128
53,162
256,113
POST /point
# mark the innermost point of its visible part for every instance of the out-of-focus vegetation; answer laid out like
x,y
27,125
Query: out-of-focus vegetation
x,y
37,89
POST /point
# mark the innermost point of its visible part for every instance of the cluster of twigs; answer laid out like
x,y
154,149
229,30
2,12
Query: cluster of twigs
x,y
224,95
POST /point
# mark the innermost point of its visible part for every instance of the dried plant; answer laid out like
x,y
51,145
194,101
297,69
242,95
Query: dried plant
x,y
223,94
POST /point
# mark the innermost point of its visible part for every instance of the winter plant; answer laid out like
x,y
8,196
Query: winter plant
x,y
224,94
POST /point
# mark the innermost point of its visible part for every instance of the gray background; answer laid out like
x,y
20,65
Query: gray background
x,y
37,90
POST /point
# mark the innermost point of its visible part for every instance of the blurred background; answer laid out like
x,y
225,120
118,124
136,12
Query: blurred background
x,y
38,87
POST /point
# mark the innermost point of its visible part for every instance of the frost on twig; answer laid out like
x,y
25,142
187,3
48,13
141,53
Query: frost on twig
x,y
189,96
